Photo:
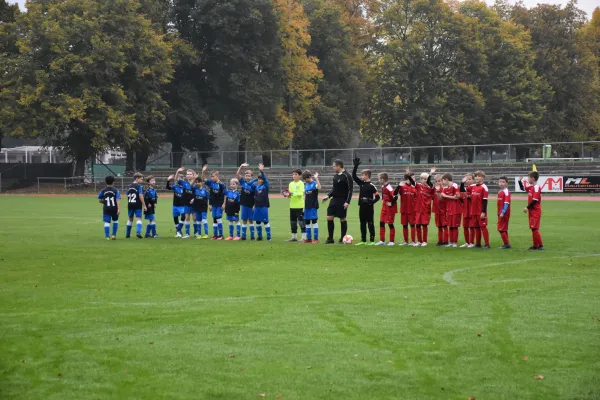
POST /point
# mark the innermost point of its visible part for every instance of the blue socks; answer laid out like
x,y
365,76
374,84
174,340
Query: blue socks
x,y
128,231
231,229
268,230
115,227
138,228
259,230
205,223
220,225
252,231
107,229
238,229
187,228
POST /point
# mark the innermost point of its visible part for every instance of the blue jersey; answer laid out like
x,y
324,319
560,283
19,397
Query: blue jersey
x,y
261,197
177,194
200,199
217,193
134,196
248,191
151,199
109,196
232,202
311,195
188,192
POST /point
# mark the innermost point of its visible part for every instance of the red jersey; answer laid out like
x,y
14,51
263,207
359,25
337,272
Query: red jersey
x,y
424,195
534,192
466,203
504,198
436,202
387,195
453,206
478,194
407,199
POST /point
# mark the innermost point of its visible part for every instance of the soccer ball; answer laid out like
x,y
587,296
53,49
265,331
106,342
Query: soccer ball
x,y
348,239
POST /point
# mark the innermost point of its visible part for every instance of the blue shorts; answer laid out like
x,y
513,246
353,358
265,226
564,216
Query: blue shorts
x,y
178,210
247,213
137,213
217,212
261,214
188,210
233,218
110,217
149,217
200,216
311,214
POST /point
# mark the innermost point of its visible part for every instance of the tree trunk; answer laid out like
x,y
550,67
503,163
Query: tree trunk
x,y
241,156
266,157
176,151
416,154
470,156
141,158
522,153
80,165
430,156
129,167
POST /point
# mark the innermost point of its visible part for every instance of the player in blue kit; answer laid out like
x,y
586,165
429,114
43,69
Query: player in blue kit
x,y
135,205
247,184
151,199
216,190
188,196
178,206
311,206
261,204
232,209
200,207
110,198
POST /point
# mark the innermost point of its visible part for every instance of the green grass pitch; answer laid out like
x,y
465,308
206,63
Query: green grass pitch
x,y
83,318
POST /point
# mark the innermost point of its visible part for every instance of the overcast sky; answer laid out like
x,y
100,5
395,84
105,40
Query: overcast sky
x,y
586,5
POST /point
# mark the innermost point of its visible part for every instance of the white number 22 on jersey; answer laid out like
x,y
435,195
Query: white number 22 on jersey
x,y
132,197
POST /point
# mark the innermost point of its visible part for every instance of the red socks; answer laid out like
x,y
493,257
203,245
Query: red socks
x,y
467,236
392,234
382,233
413,231
405,233
478,236
537,238
425,234
504,236
420,233
486,235
445,236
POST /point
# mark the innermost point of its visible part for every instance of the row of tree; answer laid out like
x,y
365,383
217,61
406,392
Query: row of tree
x,y
87,75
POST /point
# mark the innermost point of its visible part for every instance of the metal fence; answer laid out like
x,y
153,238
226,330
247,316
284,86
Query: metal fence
x,y
383,155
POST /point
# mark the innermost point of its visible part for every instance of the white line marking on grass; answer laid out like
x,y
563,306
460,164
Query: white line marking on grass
x,y
449,276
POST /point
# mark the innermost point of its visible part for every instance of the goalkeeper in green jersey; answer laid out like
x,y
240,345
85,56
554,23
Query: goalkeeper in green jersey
x,y
295,193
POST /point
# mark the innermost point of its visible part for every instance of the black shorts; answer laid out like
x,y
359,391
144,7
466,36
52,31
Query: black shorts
x,y
336,209
296,214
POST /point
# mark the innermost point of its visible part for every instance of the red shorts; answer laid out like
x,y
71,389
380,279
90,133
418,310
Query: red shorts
x,y
503,224
440,220
423,219
466,221
407,219
454,220
477,222
534,221
387,217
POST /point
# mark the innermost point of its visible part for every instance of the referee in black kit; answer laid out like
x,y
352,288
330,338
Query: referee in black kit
x,y
340,197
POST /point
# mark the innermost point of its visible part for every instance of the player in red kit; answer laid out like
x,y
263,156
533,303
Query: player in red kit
x,y
389,209
451,195
534,207
503,211
465,197
479,203
439,210
424,196
407,194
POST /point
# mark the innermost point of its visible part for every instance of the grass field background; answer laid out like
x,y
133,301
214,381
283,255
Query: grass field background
x,y
83,318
